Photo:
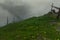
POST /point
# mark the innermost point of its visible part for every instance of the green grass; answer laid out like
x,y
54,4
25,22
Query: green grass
x,y
31,29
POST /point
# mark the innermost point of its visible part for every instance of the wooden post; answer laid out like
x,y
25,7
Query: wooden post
x,y
7,20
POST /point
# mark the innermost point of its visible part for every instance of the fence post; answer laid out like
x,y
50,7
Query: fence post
x,y
7,20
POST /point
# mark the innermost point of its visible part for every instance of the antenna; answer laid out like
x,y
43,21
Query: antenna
x,y
51,6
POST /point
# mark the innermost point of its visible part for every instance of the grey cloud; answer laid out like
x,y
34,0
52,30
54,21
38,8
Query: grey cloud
x,y
24,8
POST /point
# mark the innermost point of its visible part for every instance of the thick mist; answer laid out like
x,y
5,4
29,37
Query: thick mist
x,y
23,9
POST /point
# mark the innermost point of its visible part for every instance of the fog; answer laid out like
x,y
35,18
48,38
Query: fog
x,y
23,9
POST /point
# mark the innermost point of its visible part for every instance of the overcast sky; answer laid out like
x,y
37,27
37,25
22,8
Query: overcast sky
x,y
37,8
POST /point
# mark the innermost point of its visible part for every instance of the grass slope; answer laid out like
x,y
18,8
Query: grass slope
x,y
36,28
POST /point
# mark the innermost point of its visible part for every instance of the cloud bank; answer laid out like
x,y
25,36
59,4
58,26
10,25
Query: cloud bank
x,y
24,8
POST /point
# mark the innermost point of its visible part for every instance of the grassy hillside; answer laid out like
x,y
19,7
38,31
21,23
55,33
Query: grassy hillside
x,y
36,28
